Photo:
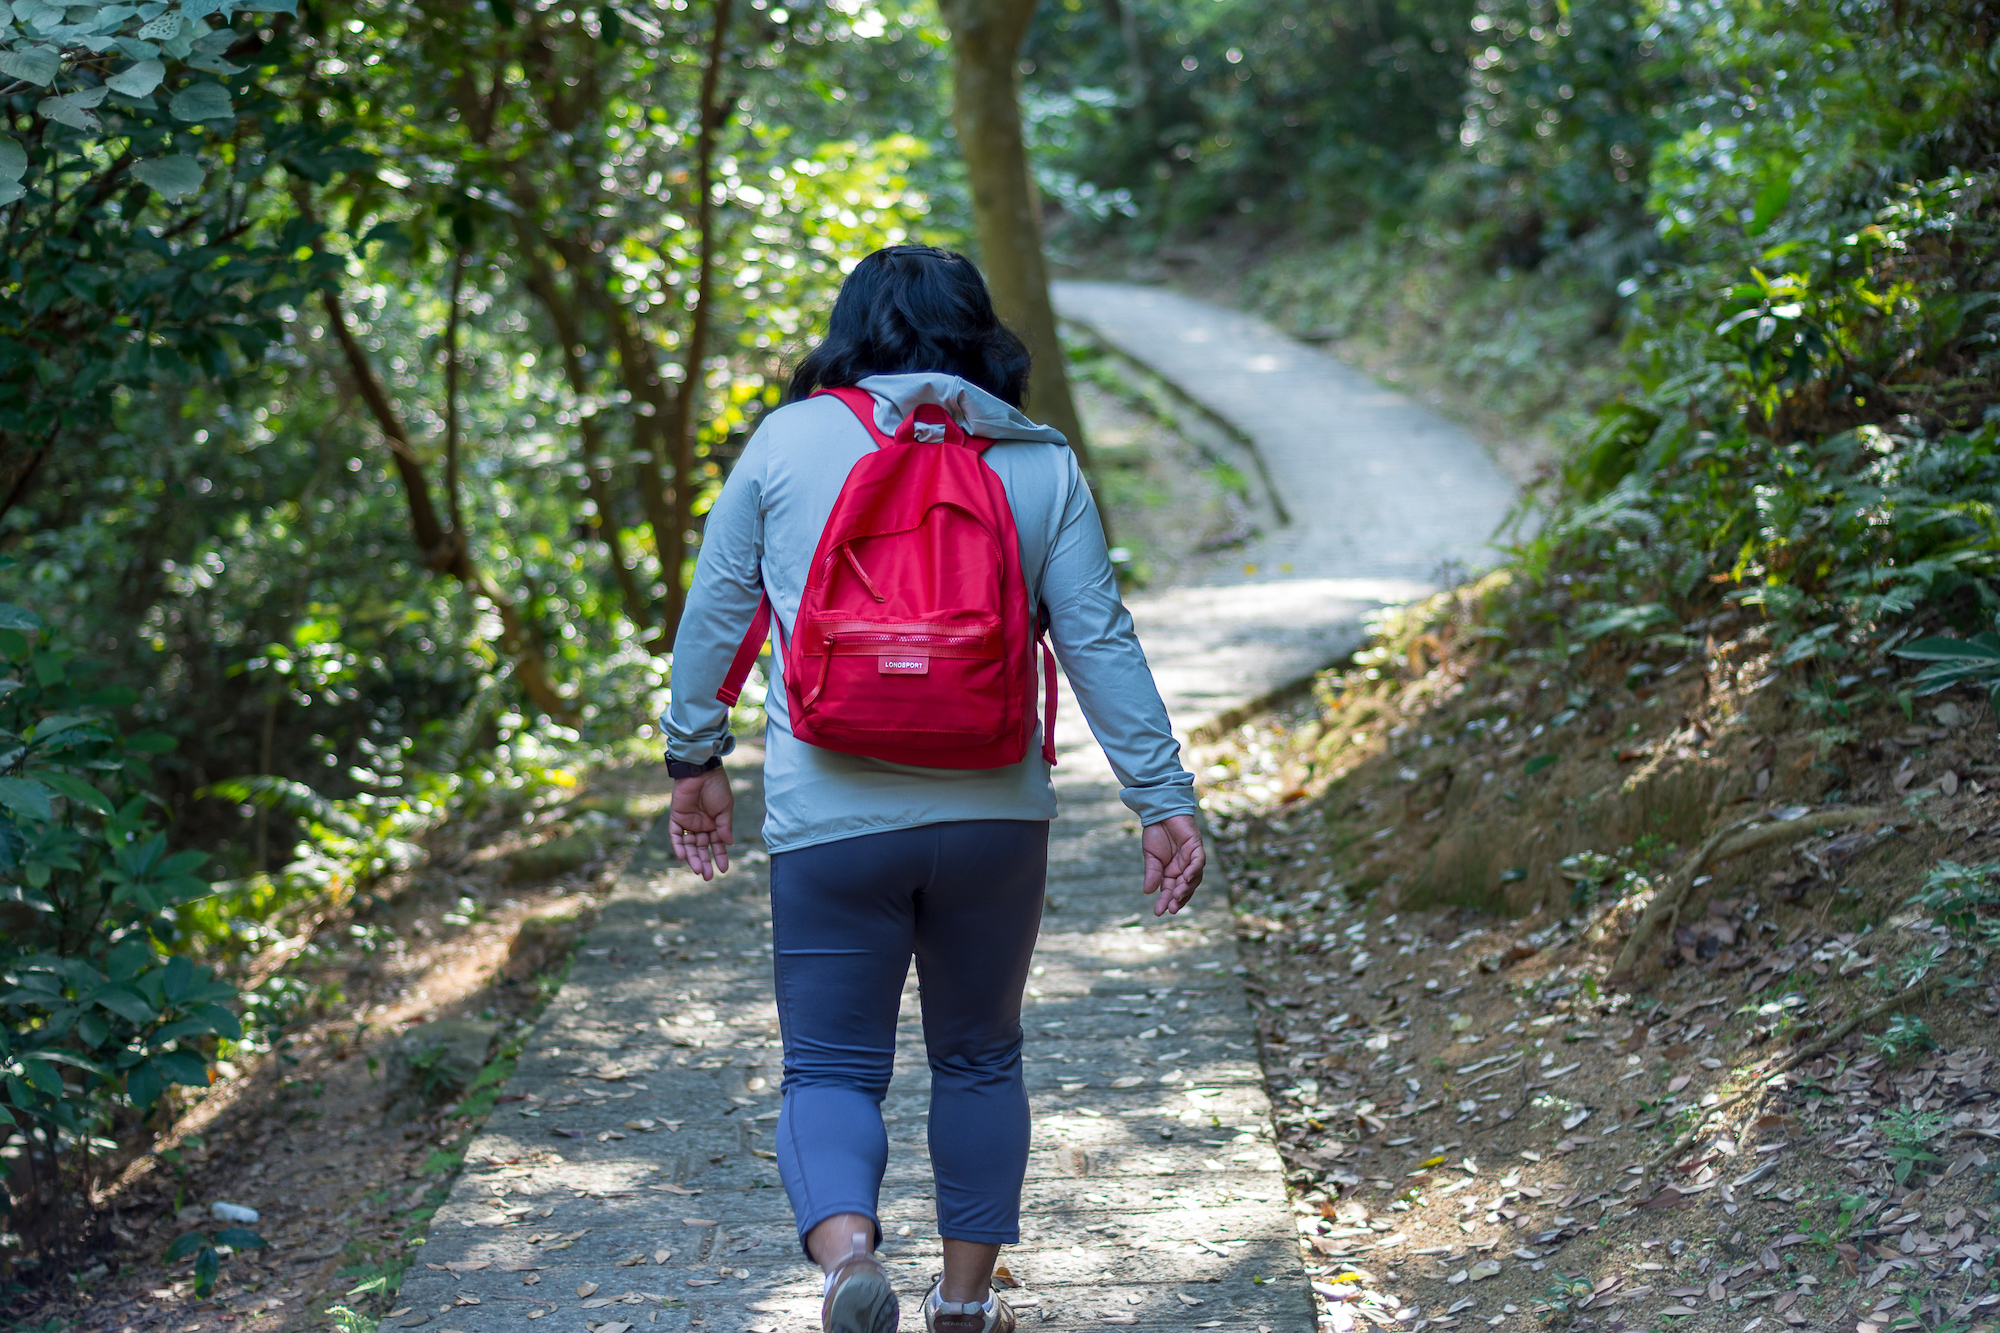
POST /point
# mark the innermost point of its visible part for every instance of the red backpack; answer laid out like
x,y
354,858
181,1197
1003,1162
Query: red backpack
x,y
915,640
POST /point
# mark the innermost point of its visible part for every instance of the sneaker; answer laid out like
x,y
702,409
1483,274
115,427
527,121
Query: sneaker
x,y
859,1298
943,1316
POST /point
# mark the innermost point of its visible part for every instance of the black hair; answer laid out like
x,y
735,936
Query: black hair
x,y
911,308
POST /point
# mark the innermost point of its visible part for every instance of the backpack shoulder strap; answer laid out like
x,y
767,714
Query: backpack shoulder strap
x,y
746,653
862,404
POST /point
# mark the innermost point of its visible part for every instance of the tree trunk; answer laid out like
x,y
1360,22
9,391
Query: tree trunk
x,y
445,552
986,109
565,314
685,423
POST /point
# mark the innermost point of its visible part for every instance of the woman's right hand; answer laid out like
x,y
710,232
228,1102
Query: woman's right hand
x,y
698,822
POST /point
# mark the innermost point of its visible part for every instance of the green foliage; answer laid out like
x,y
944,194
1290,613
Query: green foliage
x,y
206,1249
135,260
1965,898
1972,661
1560,1298
1598,877
99,1017
1176,111
1908,1135
1905,1036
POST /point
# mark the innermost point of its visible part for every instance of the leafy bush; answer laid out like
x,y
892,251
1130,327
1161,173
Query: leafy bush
x,y
1908,1135
99,1017
1905,1036
207,1247
1965,898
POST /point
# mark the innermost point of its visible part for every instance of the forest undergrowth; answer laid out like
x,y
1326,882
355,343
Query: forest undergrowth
x,y
1774,1104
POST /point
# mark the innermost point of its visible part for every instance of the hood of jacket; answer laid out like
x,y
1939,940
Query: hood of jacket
x,y
979,412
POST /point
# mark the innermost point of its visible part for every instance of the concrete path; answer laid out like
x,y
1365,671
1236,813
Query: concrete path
x,y
1375,486
633,1186
637,1168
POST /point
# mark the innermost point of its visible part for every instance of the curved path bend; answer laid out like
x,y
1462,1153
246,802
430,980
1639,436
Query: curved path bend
x,y
632,1186
1380,495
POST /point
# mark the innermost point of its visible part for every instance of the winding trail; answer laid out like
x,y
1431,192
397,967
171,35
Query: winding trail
x,y
633,1184
1380,494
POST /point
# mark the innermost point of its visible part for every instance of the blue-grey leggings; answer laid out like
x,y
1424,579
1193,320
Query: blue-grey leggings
x,y
966,900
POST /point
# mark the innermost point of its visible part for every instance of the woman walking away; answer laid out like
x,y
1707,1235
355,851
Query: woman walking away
x,y
910,537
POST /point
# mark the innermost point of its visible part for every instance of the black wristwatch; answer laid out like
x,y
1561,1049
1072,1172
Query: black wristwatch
x,y
680,768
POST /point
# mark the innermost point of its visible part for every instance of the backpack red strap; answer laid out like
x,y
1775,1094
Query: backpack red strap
x,y
862,404
746,654
1048,686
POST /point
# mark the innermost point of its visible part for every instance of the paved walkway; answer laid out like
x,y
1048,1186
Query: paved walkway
x,y
634,1184
1376,487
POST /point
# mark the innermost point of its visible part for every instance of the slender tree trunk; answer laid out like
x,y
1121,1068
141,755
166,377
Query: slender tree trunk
x,y
564,314
685,421
986,110
442,552
451,415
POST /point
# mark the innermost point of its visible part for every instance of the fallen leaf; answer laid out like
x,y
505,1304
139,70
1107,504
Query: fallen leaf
x,y
700,1222
585,1288
661,1256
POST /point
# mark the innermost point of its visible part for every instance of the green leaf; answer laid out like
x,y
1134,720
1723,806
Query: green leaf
x,y
73,109
11,616
124,1001
178,976
174,177
220,1021
13,166
1537,764
144,1085
186,1027
37,65
56,723
185,1246
138,79
184,1068
42,1076
76,789
24,796
206,100
239,1238
1771,201
1980,647
207,1266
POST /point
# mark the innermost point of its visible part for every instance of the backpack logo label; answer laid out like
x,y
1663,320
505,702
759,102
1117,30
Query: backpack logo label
x,y
903,666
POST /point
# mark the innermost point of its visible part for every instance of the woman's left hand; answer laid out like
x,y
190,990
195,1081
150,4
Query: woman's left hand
x,y
698,822
1174,861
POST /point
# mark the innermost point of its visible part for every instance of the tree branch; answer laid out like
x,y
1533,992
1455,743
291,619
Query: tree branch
x,y
442,554
682,426
1720,846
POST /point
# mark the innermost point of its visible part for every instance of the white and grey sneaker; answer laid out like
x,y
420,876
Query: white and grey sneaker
x,y
992,1315
859,1298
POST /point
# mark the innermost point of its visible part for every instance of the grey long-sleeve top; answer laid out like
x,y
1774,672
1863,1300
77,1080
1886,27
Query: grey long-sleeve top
x,y
761,534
